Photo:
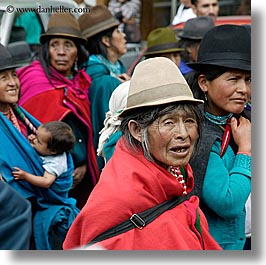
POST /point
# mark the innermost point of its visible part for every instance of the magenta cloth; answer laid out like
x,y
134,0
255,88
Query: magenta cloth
x,y
43,83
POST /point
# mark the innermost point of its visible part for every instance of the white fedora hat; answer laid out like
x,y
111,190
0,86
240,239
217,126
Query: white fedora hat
x,y
157,81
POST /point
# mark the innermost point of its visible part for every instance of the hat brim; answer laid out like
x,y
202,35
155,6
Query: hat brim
x,y
161,102
46,36
10,67
164,51
236,64
181,36
9,63
100,27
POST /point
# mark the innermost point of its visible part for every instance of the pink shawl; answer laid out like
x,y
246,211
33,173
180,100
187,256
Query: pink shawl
x,y
31,86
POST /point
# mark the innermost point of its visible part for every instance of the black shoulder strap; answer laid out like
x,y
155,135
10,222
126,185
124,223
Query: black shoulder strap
x,y
139,220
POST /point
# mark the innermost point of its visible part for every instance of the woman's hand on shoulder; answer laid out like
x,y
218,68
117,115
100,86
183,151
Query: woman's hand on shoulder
x,y
241,131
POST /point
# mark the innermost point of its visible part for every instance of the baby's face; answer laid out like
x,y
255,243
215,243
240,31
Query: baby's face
x,y
40,140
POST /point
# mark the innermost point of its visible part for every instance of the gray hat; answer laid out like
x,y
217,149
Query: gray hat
x,y
195,28
6,59
150,86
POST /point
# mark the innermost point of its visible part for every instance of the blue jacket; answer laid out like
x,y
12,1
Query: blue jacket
x,y
15,219
184,68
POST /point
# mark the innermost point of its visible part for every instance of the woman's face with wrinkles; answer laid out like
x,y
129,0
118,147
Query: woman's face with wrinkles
x,y
63,54
172,138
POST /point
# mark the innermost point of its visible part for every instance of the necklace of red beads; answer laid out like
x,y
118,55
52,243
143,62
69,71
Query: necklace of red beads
x,y
176,172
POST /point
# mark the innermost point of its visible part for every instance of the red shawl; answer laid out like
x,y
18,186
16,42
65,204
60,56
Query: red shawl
x,y
130,184
48,101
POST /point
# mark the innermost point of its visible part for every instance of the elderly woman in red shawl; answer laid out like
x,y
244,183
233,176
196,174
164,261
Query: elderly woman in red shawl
x,y
150,165
52,88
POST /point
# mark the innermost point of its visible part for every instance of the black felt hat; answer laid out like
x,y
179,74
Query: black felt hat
x,y
227,46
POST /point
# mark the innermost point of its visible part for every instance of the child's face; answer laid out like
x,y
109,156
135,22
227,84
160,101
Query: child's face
x,y
40,140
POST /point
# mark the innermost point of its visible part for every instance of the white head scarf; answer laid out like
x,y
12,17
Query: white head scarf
x,y
117,102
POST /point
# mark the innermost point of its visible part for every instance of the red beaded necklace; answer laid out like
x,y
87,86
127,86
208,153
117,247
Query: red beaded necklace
x,y
176,172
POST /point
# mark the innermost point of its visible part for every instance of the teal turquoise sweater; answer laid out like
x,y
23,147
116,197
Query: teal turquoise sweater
x,y
226,187
223,185
109,146
102,86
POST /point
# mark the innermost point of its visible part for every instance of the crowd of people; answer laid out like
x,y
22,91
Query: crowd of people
x,y
93,158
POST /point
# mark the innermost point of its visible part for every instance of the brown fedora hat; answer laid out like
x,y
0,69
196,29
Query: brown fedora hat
x,y
195,28
162,40
98,20
150,87
62,25
6,59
